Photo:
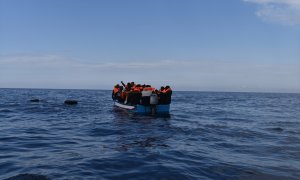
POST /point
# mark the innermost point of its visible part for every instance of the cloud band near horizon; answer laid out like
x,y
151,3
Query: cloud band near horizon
x,y
54,71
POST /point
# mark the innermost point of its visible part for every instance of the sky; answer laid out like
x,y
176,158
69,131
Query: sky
x,y
199,45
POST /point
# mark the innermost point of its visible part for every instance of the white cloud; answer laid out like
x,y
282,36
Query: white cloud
x,y
280,11
57,61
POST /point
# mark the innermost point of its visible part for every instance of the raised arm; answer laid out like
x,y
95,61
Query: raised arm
x,y
123,84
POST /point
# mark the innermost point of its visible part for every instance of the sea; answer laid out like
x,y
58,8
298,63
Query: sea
x,y
207,135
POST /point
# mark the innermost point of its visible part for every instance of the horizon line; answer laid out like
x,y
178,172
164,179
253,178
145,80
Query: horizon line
x,y
213,91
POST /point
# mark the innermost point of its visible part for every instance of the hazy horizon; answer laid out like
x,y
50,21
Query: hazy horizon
x,y
200,91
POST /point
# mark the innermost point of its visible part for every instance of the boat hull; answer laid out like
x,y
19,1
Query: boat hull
x,y
160,109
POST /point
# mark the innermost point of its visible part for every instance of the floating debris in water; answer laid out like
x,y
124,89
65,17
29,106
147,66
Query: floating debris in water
x,y
35,100
71,102
277,129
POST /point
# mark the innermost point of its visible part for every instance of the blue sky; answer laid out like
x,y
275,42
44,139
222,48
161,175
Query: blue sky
x,y
208,45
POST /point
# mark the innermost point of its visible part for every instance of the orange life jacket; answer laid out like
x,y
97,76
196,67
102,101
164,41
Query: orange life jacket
x,y
167,90
137,89
123,95
116,90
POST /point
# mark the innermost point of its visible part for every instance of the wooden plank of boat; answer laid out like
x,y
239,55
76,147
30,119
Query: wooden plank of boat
x,y
124,106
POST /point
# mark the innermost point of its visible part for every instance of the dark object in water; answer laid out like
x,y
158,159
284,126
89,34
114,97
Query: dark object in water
x,y
71,102
35,100
28,177
277,129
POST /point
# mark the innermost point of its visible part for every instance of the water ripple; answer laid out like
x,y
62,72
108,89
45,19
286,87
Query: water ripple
x,y
206,136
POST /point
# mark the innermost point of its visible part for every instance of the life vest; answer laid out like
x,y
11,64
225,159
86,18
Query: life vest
x,y
123,95
167,90
116,90
137,89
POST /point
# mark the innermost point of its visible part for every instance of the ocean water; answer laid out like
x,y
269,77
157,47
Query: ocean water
x,y
207,135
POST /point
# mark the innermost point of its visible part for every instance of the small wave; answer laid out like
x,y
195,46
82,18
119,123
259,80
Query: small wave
x,y
4,110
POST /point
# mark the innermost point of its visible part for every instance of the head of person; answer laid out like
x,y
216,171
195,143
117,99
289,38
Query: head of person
x,y
162,88
132,83
167,87
117,86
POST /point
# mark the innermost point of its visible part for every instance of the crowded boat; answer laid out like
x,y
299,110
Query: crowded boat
x,y
133,94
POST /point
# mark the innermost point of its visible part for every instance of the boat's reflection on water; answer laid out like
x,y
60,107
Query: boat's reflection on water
x,y
140,130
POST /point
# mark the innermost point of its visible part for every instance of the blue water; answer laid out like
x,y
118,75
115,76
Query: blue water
x,y
207,136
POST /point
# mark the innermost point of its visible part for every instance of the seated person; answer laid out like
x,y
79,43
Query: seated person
x,y
115,91
168,92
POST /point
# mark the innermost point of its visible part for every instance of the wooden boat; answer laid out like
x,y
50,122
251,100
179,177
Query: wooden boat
x,y
143,109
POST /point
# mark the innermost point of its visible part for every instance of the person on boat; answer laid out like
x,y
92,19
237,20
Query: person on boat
x,y
149,88
125,92
133,85
127,87
115,91
161,89
135,95
137,88
164,95
168,92
122,95
146,93
119,94
140,87
161,95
